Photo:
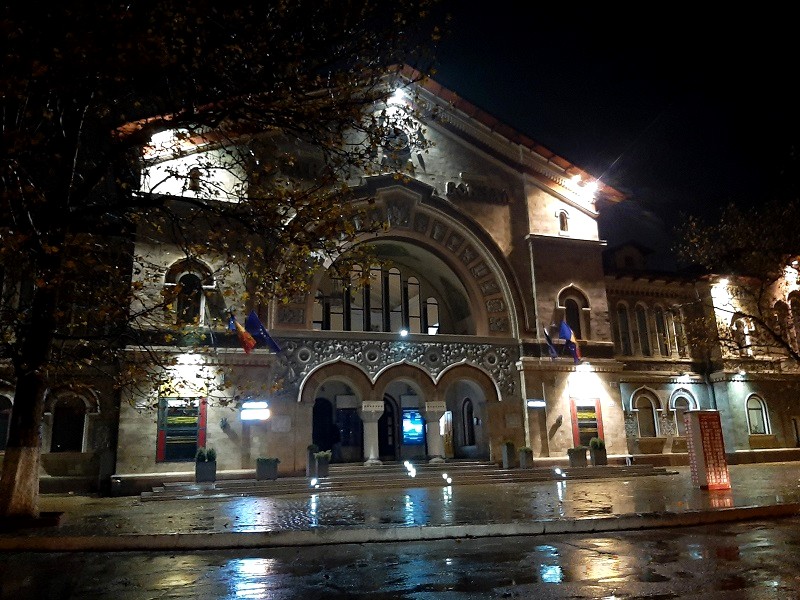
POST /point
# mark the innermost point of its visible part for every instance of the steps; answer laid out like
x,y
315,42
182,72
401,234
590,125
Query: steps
x,y
348,477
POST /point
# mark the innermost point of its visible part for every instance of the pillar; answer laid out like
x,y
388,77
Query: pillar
x,y
433,436
370,412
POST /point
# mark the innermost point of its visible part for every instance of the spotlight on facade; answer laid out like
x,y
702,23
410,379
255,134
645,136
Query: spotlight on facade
x,y
449,481
403,332
444,475
558,471
313,482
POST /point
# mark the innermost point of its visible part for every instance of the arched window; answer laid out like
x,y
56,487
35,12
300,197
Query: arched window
x,y
394,300
414,303
69,420
742,334
783,324
757,420
794,306
431,316
675,319
468,418
189,280
662,331
642,330
356,296
189,300
681,406
374,298
563,221
646,416
576,312
5,420
624,330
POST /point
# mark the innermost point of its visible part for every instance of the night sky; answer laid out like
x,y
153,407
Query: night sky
x,y
684,110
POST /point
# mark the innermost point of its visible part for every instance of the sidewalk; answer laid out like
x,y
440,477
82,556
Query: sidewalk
x,y
765,490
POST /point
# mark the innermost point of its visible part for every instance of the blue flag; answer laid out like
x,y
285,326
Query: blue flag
x,y
254,327
570,341
550,346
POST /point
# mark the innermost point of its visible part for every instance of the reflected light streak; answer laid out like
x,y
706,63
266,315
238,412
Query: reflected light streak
x,y
551,573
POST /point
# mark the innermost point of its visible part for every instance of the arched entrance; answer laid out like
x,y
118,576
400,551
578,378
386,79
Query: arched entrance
x,y
389,431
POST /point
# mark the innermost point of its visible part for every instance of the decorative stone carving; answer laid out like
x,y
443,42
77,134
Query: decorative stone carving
x,y
301,356
439,231
489,287
468,254
498,324
495,305
480,270
454,241
421,222
399,213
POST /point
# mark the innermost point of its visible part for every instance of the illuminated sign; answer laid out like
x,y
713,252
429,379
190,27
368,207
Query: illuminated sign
x,y
413,429
255,410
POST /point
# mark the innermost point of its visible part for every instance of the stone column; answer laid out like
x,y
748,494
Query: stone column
x,y
433,412
370,412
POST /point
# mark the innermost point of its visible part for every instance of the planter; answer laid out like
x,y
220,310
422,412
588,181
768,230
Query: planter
x,y
509,457
205,472
598,456
577,456
322,463
311,461
525,458
651,445
266,469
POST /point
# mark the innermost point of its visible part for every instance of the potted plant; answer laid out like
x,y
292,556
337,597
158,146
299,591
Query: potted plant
x,y
508,454
577,456
597,451
266,468
205,465
525,458
322,460
311,462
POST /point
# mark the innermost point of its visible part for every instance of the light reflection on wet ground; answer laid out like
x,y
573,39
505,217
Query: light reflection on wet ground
x,y
752,485
755,560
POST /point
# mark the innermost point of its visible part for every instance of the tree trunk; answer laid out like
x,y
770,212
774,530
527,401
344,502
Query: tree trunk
x,y
19,483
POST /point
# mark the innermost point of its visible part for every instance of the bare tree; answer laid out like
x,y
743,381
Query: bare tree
x,y
88,92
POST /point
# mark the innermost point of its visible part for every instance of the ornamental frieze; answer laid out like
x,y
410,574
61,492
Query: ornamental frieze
x,y
301,356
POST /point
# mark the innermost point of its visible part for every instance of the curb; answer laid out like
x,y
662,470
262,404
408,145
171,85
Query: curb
x,y
364,535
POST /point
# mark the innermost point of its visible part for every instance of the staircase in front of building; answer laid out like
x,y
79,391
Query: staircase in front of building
x,y
346,478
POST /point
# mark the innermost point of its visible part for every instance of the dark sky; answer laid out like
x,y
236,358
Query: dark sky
x,y
682,110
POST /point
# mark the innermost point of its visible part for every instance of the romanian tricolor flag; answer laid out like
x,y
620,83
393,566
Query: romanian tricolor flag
x,y
247,341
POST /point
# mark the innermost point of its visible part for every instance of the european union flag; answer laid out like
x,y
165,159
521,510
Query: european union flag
x,y
570,341
254,327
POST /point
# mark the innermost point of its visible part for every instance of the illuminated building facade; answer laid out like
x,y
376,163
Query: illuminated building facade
x,y
494,242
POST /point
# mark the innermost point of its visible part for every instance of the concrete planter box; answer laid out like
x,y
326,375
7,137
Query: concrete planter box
x,y
525,458
763,442
322,465
577,456
205,472
266,469
598,456
651,445
509,455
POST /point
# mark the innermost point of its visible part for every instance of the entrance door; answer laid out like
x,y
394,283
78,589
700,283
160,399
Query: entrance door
x,y
388,430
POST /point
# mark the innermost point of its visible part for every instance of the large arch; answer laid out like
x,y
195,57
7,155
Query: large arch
x,y
418,218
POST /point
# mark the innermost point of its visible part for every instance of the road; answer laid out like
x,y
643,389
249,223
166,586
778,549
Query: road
x,y
753,560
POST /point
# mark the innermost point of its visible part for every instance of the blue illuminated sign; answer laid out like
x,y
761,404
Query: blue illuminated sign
x,y
413,429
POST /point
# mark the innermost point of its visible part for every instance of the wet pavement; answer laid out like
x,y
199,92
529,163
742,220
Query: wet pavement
x,y
761,491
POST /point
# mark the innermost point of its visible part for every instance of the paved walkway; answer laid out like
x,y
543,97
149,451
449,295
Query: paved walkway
x,y
765,490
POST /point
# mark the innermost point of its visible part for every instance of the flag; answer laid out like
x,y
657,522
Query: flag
x,y
254,327
245,339
570,341
550,347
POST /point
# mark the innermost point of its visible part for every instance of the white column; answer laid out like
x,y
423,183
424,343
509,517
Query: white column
x,y
370,412
433,412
